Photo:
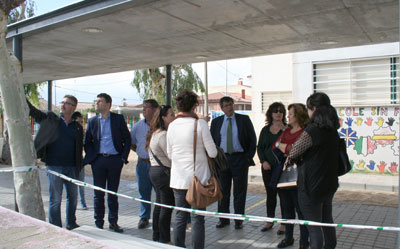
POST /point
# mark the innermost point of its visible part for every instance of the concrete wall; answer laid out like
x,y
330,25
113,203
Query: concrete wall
x,y
269,73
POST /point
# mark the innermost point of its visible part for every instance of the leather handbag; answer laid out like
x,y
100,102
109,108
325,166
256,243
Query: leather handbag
x,y
199,195
344,164
288,177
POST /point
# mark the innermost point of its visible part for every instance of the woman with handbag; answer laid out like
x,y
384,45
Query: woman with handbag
x,y
275,124
317,150
298,120
187,163
159,172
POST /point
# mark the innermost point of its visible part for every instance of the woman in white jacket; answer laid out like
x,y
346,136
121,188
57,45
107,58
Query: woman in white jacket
x,y
180,137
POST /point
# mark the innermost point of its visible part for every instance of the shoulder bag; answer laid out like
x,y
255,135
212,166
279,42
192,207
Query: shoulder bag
x,y
166,169
288,177
199,195
344,164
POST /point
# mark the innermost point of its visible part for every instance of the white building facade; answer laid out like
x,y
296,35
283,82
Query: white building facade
x,y
363,84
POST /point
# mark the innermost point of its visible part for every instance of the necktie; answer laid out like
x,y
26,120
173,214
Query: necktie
x,y
229,144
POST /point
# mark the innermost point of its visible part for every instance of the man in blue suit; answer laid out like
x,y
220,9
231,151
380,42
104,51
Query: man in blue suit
x,y
235,134
107,146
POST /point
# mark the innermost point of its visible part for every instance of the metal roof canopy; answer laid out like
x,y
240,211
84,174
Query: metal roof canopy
x,y
151,33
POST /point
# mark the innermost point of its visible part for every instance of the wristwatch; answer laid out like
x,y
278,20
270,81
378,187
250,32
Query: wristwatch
x,y
277,144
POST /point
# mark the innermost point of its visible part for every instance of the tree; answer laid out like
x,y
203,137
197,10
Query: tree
x,y
27,184
26,10
150,83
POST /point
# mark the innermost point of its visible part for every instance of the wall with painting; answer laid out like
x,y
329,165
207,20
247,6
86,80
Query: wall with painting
x,y
372,137
372,133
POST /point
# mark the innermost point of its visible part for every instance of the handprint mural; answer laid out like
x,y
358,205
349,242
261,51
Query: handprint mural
x,y
372,137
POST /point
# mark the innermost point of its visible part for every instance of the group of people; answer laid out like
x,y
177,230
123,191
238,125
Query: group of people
x,y
165,143
310,141
60,142
173,148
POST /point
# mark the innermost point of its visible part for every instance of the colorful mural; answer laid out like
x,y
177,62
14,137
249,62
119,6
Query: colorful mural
x,y
372,137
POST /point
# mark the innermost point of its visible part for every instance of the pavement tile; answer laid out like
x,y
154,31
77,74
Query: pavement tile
x,y
250,236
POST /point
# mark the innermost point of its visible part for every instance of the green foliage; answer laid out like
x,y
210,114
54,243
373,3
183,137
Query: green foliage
x,y
32,93
26,10
150,83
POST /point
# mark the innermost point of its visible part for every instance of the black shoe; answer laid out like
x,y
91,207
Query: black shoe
x,y
238,225
285,243
116,228
143,223
222,224
280,232
72,227
99,227
267,227
304,246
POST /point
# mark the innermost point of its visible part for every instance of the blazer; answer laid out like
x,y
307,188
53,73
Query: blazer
x,y
120,135
246,133
48,133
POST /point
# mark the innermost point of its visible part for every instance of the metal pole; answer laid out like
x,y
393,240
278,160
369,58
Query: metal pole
x,y
17,49
205,109
226,78
398,190
168,86
49,94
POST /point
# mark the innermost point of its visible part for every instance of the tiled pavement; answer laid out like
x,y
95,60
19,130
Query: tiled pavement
x,y
250,236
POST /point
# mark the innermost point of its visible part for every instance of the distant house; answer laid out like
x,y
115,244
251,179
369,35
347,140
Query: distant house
x,y
240,93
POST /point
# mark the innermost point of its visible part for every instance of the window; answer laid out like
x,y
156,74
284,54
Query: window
x,y
268,98
359,82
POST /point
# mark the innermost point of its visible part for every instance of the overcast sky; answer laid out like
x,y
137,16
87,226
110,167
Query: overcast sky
x,y
118,84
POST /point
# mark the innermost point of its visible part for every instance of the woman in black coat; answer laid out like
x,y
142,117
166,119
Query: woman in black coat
x,y
316,152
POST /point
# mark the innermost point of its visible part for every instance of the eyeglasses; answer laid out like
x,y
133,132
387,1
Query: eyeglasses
x,y
66,103
278,110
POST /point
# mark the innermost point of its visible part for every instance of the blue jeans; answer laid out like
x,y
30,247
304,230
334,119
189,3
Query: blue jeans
x,y
144,186
82,188
181,220
55,194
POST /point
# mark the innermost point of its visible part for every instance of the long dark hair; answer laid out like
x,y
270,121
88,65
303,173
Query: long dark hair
x,y
274,106
157,122
325,115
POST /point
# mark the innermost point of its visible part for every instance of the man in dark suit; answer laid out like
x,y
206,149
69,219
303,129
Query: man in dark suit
x,y
235,134
107,146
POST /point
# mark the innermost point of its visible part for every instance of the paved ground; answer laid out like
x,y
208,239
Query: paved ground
x,y
228,237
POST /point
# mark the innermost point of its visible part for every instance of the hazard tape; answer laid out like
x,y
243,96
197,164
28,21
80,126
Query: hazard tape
x,y
227,215
19,169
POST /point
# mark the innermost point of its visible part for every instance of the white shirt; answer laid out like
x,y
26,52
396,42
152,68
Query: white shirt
x,y
180,150
158,145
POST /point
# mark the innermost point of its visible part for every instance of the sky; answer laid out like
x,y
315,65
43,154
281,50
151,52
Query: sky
x,y
118,85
